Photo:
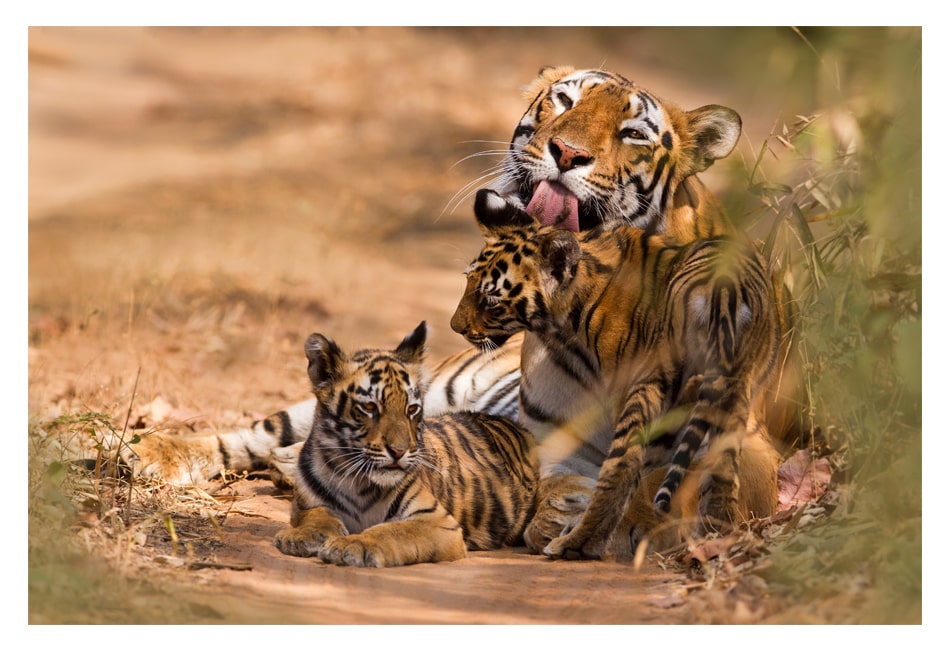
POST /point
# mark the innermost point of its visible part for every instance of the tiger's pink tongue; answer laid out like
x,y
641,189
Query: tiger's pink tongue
x,y
553,205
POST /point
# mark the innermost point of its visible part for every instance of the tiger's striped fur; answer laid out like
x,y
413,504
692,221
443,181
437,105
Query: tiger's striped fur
x,y
584,110
379,485
673,345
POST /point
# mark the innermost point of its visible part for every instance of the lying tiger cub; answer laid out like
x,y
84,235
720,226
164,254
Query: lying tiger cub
x,y
379,485
674,346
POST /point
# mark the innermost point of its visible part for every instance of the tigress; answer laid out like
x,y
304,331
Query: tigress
x,y
592,148
673,345
380,485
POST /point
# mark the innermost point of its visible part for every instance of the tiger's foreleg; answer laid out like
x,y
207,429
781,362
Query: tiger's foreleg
x,y
617,480
431,537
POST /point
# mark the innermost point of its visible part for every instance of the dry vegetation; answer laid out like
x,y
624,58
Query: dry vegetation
x,y
201,200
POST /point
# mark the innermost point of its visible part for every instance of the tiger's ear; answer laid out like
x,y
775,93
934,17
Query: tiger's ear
x,y
493,212
714,131
547,75
324,360
412,349
560,254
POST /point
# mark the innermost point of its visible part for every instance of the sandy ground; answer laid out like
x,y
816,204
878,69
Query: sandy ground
x,y
200,200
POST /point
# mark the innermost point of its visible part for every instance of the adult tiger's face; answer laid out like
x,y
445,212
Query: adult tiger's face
x,y
593,148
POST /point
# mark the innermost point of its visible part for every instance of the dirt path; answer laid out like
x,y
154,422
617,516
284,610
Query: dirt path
x,y
503,587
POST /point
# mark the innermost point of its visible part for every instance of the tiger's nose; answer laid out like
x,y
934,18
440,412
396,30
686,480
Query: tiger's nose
x,y
396,452
568,157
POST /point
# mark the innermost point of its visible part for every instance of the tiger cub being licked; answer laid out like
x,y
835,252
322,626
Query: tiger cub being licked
x,y
379,485
676,343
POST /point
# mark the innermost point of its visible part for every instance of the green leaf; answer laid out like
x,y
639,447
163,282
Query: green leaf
x,y
56,471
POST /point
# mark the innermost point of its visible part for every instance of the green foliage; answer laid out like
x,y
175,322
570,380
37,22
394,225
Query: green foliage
x,y
839,195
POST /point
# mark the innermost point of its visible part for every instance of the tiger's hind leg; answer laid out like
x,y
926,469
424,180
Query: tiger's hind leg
x,y
721,414
738,481
195,458
437,538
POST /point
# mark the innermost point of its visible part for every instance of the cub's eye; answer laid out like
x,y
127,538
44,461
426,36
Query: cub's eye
x,y
369,408
565,101
632,134
413,410
490,301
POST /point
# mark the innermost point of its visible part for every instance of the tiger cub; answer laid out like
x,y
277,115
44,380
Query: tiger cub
x,y
379,485
676,342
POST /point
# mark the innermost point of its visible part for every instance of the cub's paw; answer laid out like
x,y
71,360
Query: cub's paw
x,y
576,545
300,542
562,501
541,531
352,550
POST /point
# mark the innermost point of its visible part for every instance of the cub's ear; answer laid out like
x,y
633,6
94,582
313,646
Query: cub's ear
x,y
324,360
714,131
560,254
412,348
493,211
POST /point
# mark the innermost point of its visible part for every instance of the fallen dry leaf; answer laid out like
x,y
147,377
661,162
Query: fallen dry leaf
x,y
802,479
712,548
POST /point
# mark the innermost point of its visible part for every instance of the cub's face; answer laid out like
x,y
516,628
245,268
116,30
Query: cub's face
x,y
500,292
515,279
369,418
594,148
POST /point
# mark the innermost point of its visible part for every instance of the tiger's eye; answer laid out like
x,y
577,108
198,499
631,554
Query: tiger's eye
x,y
632,134
369,408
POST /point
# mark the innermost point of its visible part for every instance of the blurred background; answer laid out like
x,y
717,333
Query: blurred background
x,y
201,199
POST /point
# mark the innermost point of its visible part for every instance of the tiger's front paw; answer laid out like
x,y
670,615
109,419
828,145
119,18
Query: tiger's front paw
x,y
576,545
352,550
301,542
